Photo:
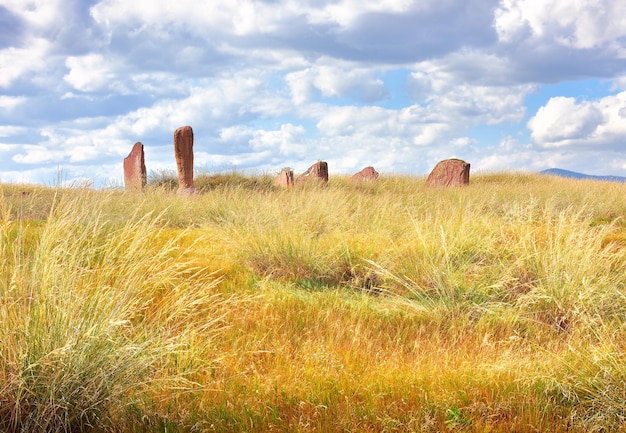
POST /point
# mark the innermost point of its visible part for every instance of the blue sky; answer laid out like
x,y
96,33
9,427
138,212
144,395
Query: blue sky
x,y
265,84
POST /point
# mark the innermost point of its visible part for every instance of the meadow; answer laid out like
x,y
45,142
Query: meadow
x,y
385,307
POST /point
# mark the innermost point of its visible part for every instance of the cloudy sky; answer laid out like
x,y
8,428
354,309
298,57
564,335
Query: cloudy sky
x,y
267,84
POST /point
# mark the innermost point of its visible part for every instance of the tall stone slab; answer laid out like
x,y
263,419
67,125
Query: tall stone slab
x,y
183,151
317,172
449,172
368,174
135,177
285,178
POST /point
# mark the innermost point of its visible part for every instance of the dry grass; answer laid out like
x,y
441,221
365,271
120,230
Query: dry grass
x,y
385,307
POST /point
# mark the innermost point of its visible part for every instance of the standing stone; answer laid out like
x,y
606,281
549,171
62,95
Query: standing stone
x,y
285,178
450,172
183,151
135,169
318,171
368,174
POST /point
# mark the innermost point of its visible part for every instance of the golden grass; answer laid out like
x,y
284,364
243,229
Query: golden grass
x,y
386,307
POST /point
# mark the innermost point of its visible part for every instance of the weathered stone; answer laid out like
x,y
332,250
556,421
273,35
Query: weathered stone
x,y
285,178
135,169
450,172
368,174
183,151
318,172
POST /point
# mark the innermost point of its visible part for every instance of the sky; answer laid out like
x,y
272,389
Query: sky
x,y
268,84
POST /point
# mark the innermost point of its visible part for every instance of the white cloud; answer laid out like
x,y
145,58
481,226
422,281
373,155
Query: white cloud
x,y
5,147
619,83
9,130
345,12
10,102
491,105
17,62
39,14
336,79
419,86
289,140
448,86
301,86
562,120
508,154
236,133
398,84
408,128
355,121
223,102
220,103
72,146
89,73
579,24
240,17
36,154
565,122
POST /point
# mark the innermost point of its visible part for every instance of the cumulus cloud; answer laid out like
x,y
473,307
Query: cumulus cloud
x,y
346,12
397,84
289,140
336,79
355,121
242,17
565,122
10,102
562,39
201,18
38,15
16,63
573,23
219,103
35,154
89,73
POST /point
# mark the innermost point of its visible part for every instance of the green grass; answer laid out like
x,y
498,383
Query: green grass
x,y
382,307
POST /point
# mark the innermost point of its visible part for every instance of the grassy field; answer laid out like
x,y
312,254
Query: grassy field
x,y
386,307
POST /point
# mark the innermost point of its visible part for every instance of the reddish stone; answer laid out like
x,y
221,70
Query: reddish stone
x,y
450,172
285,178
368,174
135,169
318,172
183,151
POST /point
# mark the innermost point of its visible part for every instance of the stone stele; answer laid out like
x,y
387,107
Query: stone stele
x,y
135,169
450,172
318,171
285,178
368,174
183,151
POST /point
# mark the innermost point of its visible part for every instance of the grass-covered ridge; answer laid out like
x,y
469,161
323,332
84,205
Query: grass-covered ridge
x,y
382,307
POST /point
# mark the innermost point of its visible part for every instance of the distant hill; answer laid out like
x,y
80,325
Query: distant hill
x,y
574,175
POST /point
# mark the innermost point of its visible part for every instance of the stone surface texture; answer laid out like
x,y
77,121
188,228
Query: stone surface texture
x,y
135,177
183,151
450,172
318,172
368,174
285,178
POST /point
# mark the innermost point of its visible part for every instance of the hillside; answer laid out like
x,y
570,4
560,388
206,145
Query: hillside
x,y
383,307
574,175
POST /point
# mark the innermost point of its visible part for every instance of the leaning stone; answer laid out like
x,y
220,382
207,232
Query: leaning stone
x,y
183,151
318,172
135,169
285,178
368,174
450,172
